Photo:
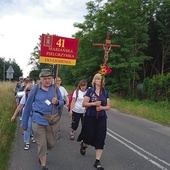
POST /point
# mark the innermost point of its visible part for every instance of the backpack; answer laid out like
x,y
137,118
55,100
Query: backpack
x,y
71,98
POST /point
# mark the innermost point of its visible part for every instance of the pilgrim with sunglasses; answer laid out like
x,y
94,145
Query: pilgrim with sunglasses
x,y
28,133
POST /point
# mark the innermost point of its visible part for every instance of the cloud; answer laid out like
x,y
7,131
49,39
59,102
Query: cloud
x,y
23,21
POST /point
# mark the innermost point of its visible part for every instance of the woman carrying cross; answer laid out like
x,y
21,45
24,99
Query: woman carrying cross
x,y
94,129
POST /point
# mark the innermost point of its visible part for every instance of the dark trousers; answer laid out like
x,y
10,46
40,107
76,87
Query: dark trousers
x,y
76,119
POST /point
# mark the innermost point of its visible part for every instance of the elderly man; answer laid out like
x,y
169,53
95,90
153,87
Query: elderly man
x,y
44,99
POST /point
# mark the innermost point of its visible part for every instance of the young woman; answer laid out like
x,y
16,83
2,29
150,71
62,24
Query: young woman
x,y
95,121
76,109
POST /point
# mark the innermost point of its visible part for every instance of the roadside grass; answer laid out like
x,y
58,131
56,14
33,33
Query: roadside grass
x,y
158,112
7,129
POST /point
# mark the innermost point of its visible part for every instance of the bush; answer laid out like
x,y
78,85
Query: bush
x,y
157,88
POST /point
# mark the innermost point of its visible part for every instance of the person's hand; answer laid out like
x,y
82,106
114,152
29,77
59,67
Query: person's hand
x,y
99,108
13,118
54,100
70,113
24,128
97,103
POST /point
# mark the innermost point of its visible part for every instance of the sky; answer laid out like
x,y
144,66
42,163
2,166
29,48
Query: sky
x,y
23,21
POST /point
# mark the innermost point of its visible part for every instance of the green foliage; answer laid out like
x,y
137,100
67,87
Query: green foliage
x,y
157,88
7,128
154,111
140,27
128,29
4,66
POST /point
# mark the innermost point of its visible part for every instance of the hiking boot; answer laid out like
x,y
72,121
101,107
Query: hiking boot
x,y
98,166
27,146
82,149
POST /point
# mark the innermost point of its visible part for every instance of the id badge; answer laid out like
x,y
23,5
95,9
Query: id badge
x,y
47,102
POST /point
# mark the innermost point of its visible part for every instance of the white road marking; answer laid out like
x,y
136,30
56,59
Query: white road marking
x,y
137,152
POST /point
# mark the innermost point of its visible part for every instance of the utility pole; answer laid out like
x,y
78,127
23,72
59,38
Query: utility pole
x,y
4,70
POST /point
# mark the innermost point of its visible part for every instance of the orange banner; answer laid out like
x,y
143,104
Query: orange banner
x,y
58,50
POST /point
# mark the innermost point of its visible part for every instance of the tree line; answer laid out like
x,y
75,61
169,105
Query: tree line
x,y
141,28
4,65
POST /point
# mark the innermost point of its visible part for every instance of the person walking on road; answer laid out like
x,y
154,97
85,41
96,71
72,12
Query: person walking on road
x,y
64,95
76,109
28,132
95,121
43,101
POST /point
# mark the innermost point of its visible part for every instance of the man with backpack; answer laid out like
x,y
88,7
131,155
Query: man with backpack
x,y
43,102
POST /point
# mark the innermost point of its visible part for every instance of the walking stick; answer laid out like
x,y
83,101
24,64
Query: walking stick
x,y
55,86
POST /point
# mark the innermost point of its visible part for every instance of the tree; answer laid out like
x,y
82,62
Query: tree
x,y
4,66
34,61
127,21
163,23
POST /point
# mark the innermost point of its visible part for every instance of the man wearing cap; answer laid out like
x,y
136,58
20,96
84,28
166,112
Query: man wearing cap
x,y
43,100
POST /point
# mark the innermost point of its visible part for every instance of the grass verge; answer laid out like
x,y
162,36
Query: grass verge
x,y
7,129
158,112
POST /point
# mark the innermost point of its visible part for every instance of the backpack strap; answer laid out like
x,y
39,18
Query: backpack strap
x,y
77,92
36,90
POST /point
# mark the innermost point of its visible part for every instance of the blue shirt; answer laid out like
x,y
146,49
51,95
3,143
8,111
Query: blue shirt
x,y
39,102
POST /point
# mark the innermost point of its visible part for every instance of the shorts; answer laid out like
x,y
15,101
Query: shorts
x,y
45,137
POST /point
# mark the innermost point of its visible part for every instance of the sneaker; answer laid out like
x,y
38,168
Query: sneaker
x,y
27,146
33,140
71,136
82,149
98,166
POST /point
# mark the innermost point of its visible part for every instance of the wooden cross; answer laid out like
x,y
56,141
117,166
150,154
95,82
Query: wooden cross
x,y
107,46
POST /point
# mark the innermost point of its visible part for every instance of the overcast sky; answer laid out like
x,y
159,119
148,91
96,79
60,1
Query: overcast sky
x,y
23,21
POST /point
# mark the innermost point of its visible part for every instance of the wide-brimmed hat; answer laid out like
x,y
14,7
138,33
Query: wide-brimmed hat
x,y
45,73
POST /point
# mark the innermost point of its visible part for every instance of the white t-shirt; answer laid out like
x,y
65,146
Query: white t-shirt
x,y
63,91
78,108
23,99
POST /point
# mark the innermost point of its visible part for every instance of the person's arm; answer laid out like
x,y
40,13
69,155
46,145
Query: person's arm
x,y
87,103
15,89
67,100
58,100
71,106
18,109
107,107
28,108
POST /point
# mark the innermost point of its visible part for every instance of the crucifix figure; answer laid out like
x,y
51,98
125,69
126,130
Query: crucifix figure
x,y
107,46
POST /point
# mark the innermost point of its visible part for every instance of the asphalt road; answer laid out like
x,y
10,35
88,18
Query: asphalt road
x,y
132,144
